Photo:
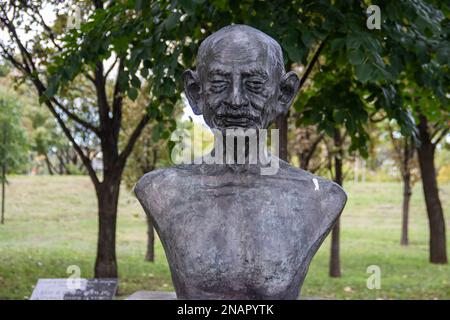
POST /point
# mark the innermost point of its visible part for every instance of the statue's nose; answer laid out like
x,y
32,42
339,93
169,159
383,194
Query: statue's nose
x,y
238,98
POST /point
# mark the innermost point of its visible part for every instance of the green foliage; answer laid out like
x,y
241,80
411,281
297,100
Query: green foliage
x,y
159,40
4,69
13,142
365,69
150,151
43,134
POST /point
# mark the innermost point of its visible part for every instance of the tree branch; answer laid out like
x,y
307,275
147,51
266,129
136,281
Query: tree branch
x,y
102,100
84,158
312,63
49,31
42,88
89,77
75,118
397,148
117,102
112,67
8,56
440,136
371,117
27,59
132,139
313,148
25,68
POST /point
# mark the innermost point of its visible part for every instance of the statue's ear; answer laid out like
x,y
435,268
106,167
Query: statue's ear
x,y
288,90
192,90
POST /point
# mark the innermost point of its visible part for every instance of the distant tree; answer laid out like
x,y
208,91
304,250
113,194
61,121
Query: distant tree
x,y
338,177
430,107
48,142
433,126
51,60
13,144
404,150
425,86
151,152
411,46
305,144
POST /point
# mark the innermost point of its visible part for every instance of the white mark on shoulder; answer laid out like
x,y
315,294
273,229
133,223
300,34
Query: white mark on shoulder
x,y
316,184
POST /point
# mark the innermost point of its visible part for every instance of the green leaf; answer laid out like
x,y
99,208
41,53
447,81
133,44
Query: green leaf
x,y
337,44
364,72
135,82
167,109
443,55
307,38
188,6
172,21
132,93
295,52
138,5
157,131
144,72
356,57
353,42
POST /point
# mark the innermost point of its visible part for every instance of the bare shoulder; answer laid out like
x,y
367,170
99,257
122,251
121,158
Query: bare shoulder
x,y
332,197
150,179
156,188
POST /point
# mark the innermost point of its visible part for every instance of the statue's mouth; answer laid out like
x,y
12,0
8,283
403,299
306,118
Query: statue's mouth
x,y
239,121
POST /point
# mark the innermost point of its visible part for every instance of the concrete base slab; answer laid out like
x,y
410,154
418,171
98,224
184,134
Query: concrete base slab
x,y
170,295
152,295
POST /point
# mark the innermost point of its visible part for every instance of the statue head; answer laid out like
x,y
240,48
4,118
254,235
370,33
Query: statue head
x,y
240,81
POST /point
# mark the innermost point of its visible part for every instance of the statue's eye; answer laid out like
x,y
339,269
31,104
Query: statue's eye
x,y
254,85
219,85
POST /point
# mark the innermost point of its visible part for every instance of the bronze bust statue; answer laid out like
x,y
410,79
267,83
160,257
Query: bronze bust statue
x,y
237,234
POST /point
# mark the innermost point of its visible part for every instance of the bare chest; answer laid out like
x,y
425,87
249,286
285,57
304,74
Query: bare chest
x,y
232,236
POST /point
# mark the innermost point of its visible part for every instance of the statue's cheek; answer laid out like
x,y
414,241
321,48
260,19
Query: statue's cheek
x,y
261,98
214,97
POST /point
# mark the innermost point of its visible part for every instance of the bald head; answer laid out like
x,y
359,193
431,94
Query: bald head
x,y
240,81
240,38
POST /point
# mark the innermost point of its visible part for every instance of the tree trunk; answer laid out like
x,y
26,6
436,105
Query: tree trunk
x,y
3,192
282,126
426,152
62,166
5,132
405,214
335,263
150,254
107,195
335,260
306,155
49,165
149,164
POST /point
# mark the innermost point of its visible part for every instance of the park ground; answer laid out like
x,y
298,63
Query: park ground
x,y
51,224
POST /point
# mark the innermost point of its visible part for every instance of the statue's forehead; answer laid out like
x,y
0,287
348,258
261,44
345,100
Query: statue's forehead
x,y
242,52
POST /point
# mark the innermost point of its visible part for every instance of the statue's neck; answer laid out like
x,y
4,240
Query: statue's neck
x,y
238,152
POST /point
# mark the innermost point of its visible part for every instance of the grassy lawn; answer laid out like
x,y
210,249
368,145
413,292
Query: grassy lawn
x,y
51,224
